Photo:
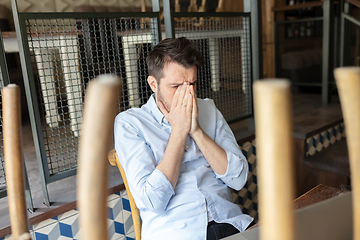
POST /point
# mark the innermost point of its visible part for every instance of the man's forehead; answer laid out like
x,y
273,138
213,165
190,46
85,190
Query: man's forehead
x,y
179,74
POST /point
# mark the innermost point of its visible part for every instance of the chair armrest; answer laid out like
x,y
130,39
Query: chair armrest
x,y
112,157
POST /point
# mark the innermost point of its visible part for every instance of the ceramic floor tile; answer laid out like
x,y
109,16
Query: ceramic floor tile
x,y
41,236
77,236
119,228
319,147
45,223
129,228
124,194
131,235
119,217
70,220
112,197
110,228
65,230
52,231
326,143
128,222
118,237
64,238
115,207
126,204
126,215
68,214
129,238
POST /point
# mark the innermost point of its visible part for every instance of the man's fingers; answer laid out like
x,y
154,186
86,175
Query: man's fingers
x,y
175,100
183,90
194,99
189,104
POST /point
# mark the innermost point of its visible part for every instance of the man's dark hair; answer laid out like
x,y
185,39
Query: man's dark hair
x,y
179,50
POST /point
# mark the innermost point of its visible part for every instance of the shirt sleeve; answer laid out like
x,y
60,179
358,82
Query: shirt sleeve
x,y
149,186
237,168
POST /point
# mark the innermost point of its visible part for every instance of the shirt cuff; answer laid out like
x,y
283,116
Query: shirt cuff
x,y
160,185
235,166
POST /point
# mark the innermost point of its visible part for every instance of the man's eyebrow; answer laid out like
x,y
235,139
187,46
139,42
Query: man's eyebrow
x,y
178,84
175,84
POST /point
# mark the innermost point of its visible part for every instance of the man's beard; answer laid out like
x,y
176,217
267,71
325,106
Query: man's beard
x,y
159,98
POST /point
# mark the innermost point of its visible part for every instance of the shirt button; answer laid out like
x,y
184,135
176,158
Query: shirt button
x,y
203,210
200,188
186,146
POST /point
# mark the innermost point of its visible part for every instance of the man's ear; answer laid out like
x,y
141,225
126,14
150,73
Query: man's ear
x,y
152,83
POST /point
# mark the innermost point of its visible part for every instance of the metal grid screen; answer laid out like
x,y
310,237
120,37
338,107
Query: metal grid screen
x,y
351,47
226,74
66,53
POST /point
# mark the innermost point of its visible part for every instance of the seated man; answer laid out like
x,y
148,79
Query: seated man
x,y
179,154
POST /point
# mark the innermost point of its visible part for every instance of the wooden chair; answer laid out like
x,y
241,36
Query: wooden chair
x,y
348,83
100,107
114,160
14,163
272,105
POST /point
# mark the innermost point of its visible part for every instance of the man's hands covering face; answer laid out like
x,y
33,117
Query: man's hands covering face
x,y
183,114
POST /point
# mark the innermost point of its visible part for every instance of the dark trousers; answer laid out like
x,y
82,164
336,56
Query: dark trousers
x,y
217,231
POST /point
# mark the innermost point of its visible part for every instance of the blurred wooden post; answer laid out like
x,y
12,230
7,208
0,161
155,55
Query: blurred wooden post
x,y
177,6
348,83
143,6
193,6
275,159
13,161
100,107
202,8
220,7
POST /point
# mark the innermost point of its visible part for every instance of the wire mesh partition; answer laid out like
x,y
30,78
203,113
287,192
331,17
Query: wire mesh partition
x,y
350,55
4,81
224,41
62,53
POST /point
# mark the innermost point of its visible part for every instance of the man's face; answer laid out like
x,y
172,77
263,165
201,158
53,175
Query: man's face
x,y
174,75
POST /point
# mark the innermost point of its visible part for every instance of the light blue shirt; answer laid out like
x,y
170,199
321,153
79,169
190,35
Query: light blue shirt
x,y
200,195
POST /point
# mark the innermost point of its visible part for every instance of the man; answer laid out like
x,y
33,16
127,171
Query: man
x,y
179,154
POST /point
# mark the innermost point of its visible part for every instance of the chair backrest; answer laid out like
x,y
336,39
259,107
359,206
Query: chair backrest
x,y
14,162
274,155
96,130
114,160
348,83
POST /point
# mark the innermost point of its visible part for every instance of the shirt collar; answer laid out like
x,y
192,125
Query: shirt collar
x,y
158,115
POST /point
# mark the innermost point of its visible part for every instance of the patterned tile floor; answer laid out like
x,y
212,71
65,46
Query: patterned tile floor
x,y
66,226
